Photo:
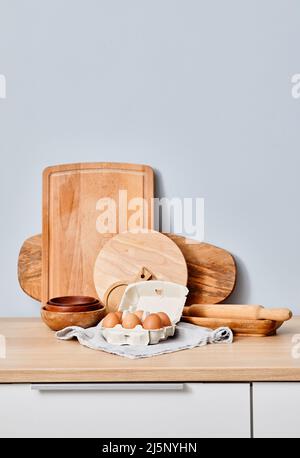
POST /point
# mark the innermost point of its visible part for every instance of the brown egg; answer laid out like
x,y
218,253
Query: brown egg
x,y
139,314
111,320
164,319
119,315
152,321
130,321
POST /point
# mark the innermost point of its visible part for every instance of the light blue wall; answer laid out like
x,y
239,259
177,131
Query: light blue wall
x,y
200,90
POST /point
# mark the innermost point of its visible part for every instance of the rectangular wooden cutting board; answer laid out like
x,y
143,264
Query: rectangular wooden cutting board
x,y
78,200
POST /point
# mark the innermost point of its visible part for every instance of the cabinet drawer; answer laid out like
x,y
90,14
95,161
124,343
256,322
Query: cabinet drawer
x,y
125,410
276,408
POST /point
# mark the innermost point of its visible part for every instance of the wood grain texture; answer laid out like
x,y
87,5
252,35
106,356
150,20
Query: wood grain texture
x,y
125,255
34,355
212,271
247,312
240,327
59,320
30,267
71,240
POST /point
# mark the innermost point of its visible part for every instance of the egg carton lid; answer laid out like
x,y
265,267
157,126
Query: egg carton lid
x,y
155,296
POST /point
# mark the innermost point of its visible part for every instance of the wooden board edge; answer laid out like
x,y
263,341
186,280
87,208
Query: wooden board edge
x,y
45,233
37,238
97,165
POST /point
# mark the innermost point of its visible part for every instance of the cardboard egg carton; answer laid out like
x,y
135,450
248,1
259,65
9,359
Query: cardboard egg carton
x,y
151,297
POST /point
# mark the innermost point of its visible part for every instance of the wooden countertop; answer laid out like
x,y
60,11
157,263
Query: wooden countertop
x,y
34,355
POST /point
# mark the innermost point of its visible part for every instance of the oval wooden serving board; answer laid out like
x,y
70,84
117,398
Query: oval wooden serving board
x,y
30,267
212,270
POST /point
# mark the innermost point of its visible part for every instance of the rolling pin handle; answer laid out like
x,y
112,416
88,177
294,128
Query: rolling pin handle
x,y
275,314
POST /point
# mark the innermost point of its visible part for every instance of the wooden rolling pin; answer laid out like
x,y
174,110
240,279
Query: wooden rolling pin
x,y
247,312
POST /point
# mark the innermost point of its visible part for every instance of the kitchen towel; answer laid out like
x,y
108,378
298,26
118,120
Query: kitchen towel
x,y
187,336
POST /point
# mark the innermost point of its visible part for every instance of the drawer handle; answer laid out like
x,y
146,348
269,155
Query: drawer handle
x,y
107,386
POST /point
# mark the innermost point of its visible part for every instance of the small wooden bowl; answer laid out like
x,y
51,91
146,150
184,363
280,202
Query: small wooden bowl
x,y
73,300
60,320
72,308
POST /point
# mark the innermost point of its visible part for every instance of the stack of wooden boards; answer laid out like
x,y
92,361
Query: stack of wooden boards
x,y
75,257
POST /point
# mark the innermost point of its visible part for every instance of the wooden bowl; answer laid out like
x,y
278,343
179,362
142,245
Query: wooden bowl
x,y
72,308
60,320
73,300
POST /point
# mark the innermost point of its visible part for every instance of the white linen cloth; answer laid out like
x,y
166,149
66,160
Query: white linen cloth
x,y
186,336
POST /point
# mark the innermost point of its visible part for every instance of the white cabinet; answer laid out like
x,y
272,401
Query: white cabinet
x,y
193,410
276,410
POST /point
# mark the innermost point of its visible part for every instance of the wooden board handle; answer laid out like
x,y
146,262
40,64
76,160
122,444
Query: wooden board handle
x,y
144,275
250,312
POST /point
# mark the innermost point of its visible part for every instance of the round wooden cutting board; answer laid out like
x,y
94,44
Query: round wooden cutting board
x,y
126,255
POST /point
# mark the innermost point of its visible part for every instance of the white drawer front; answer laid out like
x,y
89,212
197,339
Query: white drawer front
x,y
198,410
276,408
